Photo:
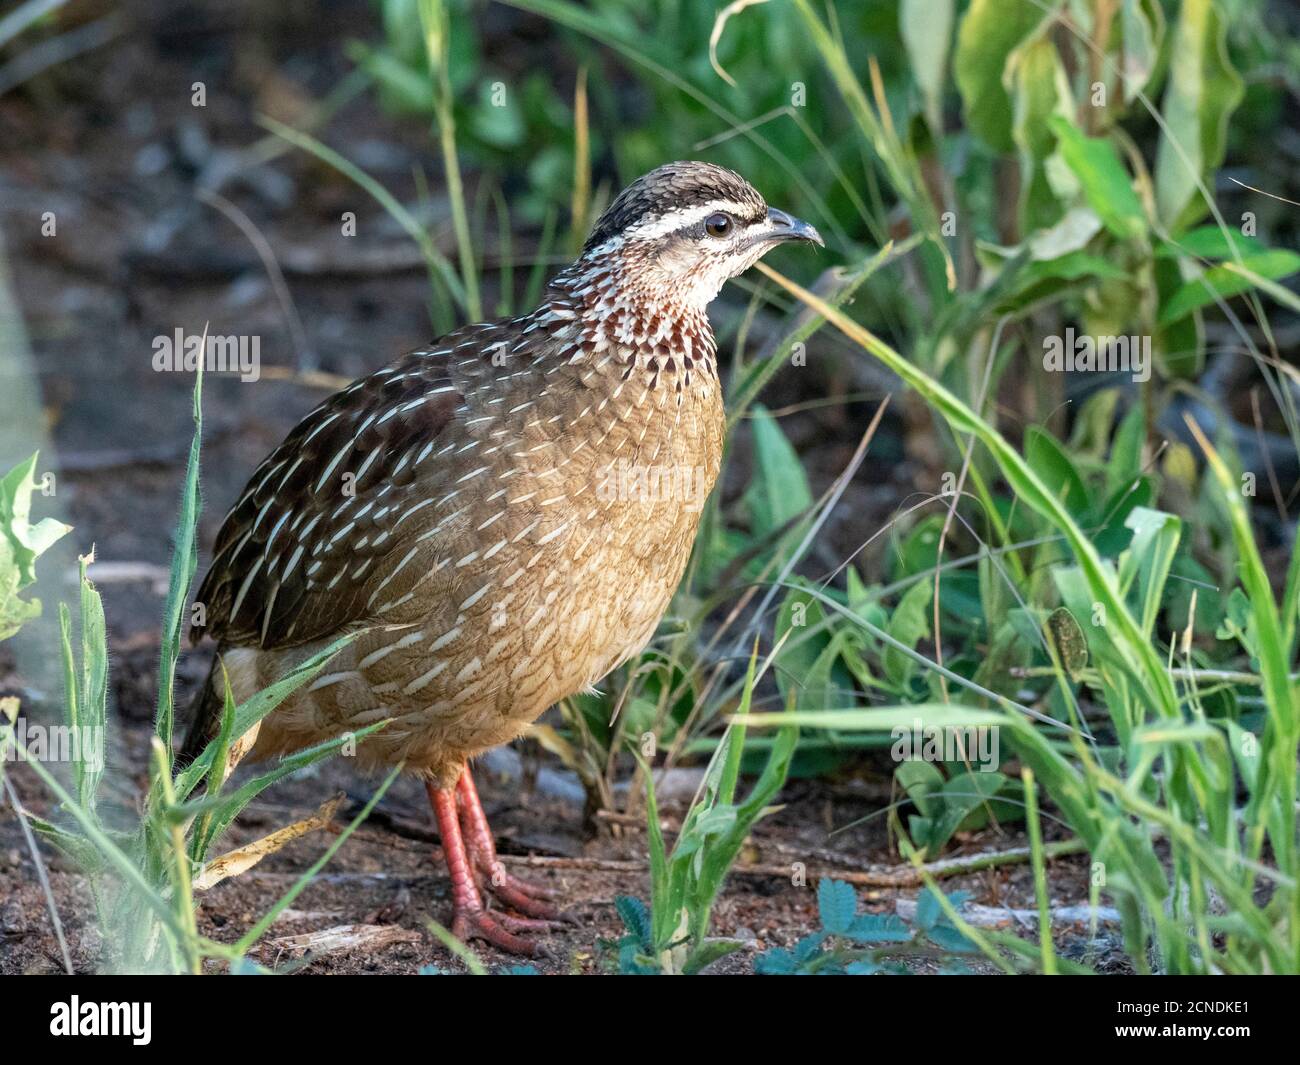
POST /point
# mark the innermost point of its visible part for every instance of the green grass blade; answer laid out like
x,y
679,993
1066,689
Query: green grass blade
x,y
185,560
222,810
433,19
439,267
249,713
1040,872
94,690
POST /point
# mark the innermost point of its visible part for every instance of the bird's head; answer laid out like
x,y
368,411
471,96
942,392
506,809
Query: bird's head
x,y
679,232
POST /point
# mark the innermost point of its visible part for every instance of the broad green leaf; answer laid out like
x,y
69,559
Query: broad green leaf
x,y
1048,459
837,905
1141,29
960,798
29,541
499,122
21,543
1039,89
989,32
1245,747
921,829
799,614
918,548
1105,182
1223,282
1272,289
1145,565
1202,92
1043,280
909,624
1180,345
1072,233
1126,450
926,27
827,684
928,910
403,87
1211,242
1095,623
921,781
779,490
1090,437
1238,623
1116,535
878,928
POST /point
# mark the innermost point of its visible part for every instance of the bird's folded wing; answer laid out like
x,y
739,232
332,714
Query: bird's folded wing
x,y
331,521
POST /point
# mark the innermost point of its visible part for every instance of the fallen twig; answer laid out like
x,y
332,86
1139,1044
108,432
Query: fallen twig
x,y
323,379
1006,917
886,876
347,937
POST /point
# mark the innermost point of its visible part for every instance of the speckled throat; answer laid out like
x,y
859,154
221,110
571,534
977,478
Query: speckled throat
x,y
502,518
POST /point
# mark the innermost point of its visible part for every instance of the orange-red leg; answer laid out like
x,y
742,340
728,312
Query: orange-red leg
x,y
469,918
522,895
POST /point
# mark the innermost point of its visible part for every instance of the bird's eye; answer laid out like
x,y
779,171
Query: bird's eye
x,y
717,225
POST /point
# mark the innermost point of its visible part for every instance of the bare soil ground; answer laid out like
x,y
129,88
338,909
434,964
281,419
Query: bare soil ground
x,y
113,145
390,878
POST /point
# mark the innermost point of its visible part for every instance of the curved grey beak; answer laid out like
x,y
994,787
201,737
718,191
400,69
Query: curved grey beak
x,y
781,226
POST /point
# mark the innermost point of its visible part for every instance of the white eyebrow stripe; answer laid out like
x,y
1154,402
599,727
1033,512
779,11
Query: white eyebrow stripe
x,y
686,216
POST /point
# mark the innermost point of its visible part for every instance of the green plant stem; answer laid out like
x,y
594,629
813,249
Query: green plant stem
x,y
1040,872
182,890
433,16
437,263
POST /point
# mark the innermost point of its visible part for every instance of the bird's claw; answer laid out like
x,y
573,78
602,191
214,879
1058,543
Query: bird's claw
x,y
526,898
479,924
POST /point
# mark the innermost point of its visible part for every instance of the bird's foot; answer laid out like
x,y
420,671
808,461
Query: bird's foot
x,y
495,870
476,923
528,924
470,920
520,895
524,896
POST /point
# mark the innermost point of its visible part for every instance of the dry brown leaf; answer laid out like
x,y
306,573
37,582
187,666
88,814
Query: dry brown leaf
x,y
232,863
